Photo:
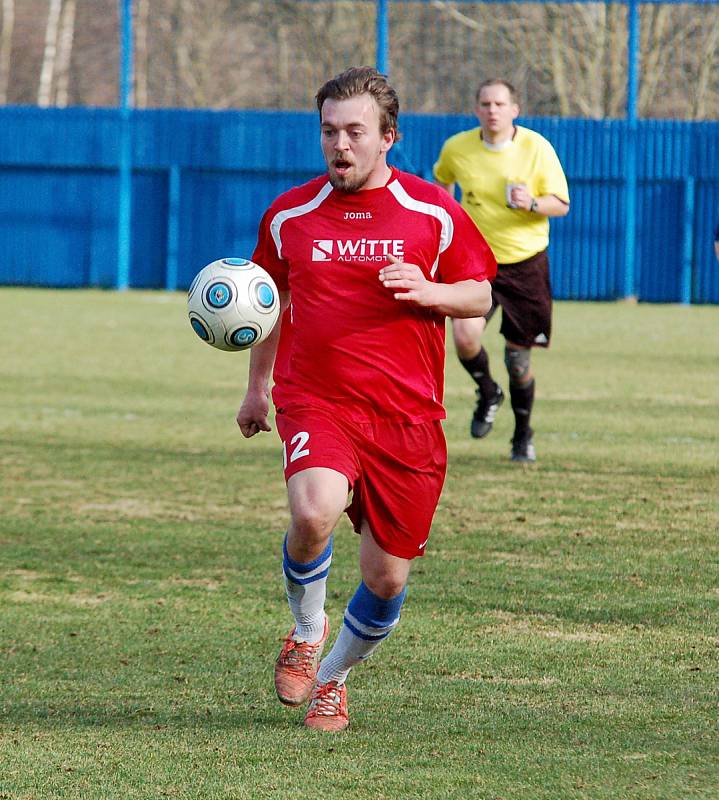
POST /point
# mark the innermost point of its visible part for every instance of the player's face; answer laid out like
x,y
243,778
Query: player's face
x,y
353,146
496,112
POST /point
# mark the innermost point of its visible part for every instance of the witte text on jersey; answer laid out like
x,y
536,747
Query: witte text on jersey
x,y
357,250
329,249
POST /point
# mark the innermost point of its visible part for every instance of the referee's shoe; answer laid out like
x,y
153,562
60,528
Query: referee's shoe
x,y
523,447
486,410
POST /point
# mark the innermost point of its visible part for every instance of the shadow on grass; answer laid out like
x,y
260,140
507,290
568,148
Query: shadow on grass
x,y
61,716
589,466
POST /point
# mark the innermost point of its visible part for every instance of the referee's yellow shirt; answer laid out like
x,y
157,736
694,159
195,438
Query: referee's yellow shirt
x,y
483,174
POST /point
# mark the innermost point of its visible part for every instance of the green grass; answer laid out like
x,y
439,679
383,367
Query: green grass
x,y
559,640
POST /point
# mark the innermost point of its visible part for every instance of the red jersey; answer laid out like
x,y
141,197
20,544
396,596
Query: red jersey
x,y
346,343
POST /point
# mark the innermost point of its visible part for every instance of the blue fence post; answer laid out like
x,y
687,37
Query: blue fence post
x,y
685,285
382,44
628,288
173,227
124,212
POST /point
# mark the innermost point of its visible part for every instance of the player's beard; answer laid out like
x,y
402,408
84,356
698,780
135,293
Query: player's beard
x,y
348,183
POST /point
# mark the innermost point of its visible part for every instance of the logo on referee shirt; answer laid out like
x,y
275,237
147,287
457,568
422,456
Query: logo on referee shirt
x,y
357,249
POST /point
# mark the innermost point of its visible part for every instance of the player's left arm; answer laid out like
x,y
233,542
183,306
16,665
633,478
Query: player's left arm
x,y
254,411
548,205
468,298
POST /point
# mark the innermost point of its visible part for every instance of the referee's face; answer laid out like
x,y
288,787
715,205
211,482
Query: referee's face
x,y
353,146
496,112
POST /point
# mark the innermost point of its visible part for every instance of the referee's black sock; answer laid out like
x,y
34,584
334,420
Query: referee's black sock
x,y
522,395
478,368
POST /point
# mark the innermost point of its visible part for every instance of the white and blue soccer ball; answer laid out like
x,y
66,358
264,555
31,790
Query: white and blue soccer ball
x,y
233,304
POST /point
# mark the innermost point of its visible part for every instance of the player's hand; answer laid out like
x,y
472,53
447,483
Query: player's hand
x,y
252,416
407,281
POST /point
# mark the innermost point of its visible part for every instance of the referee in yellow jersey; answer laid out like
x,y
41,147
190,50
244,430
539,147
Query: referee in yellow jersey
x,y
511,182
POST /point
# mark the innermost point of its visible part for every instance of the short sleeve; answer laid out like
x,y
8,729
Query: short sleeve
x,y
552,180
468,256
442,170
266,254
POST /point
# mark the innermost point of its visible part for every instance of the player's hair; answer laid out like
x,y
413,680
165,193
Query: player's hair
x,y
364,80
498,82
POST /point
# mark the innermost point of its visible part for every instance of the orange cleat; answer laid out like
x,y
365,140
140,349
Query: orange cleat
x,y
296,667
328,708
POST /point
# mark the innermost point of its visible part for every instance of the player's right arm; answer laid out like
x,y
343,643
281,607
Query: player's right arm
x,y
255,408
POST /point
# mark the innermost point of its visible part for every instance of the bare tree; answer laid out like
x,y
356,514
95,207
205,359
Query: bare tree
x,y
568,59
47,72
656,28
64,52
142,13
8,23
708,68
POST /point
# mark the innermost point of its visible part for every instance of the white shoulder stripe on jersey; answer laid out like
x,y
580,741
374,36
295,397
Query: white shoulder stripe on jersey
x,y
440,213
297,211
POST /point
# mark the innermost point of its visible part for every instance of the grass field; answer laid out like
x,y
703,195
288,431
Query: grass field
x,y
560,639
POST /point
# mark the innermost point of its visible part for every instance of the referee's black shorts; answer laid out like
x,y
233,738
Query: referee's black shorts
x,y
523,291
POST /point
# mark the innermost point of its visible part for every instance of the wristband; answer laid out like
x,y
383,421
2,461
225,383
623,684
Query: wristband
x,y
534,205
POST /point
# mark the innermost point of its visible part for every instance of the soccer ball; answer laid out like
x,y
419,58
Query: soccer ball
x,y
233,304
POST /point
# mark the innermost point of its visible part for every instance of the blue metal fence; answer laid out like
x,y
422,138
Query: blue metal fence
x,y
201,179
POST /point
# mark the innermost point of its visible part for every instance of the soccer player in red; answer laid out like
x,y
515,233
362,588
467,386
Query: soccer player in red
x,y
369,261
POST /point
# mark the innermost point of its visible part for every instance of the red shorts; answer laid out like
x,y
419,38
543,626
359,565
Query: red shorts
x,y
396,472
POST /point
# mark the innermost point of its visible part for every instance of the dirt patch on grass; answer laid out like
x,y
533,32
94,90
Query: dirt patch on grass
x,y
42,598
140,508
546,627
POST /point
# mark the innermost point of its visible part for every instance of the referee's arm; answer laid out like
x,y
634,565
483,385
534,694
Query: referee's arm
x,y
448,187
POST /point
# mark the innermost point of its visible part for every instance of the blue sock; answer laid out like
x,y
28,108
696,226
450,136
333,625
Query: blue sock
x,y
368,621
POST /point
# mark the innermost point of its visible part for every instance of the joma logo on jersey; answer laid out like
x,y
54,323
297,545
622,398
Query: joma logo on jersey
x,y
356,249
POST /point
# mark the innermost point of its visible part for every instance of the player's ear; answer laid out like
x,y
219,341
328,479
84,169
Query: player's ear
x,y
388,139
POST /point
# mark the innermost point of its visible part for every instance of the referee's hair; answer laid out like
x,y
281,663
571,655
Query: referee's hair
x,y
498,82
364,80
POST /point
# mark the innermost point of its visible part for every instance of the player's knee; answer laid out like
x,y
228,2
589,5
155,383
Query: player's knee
x,y
315,506
385,585
517,362
311,523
